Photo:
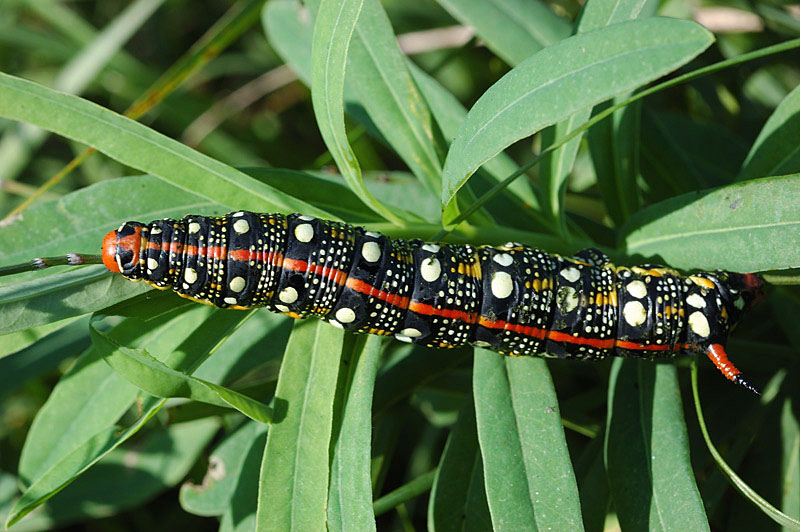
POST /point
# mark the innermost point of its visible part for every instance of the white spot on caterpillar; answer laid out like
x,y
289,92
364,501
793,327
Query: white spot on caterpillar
x,y
230,300
336,324
345,315
155,231
288,295
502,285
433,248
696,301
237,214
637,289
371,251
481,343
634,313
403,338
194,227
241,226
304,232
373,234
411,332
503,259
190,275
306,218
152,264
570,274
237,284
699,324
430,269
282,308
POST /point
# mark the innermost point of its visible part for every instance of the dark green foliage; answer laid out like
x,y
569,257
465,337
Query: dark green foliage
x,y
703,174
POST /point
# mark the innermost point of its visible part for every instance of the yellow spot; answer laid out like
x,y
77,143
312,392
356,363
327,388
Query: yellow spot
x,y
702,281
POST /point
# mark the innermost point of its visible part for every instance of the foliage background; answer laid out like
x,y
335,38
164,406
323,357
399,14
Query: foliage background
x,y
439,458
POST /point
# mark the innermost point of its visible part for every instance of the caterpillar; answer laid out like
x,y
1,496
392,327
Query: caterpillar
x,y
512,299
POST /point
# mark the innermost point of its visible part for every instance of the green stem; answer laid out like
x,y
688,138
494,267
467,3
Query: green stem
x,y
740,485
404,493
72,259
763,52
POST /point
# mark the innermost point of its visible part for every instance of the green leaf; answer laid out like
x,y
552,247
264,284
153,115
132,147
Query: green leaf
x,y
740,485
530,484
132,474
647,450
36,360
333,31
140,147
745,227
65,295
554,170
558,81
91,397
293,484
593,486
350,494
513,29
458,499
21,141
17,341
790,434
776,150
225,466
156,378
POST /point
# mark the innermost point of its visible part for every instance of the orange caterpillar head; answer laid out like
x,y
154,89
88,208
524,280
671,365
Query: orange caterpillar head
x,y
121,248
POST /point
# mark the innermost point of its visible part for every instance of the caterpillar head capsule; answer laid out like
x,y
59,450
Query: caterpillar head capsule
x,y
121,249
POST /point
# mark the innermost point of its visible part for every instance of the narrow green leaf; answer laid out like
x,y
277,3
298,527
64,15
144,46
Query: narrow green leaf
x,y
20,141
131,474
740,485
458,498
559,80
513,29
333,31
156,378
776,150
790,434
647,450
530,484
745,227
17,341
293,484
350,495
213,495
43,357
140,147
65,295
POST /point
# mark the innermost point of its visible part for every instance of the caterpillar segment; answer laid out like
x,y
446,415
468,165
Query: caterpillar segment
x,y
512,299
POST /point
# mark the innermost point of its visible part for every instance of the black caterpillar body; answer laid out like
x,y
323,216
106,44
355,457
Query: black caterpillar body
x,y
512,298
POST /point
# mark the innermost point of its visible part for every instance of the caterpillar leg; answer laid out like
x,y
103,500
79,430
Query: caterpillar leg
x,y
717,354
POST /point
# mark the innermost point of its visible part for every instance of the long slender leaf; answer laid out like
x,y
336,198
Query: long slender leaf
x,y
558,81
530,484
776,151
333,31
350,495
156,378
140,147
513,29
748,226
293,484
225,467
20,141
647,450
